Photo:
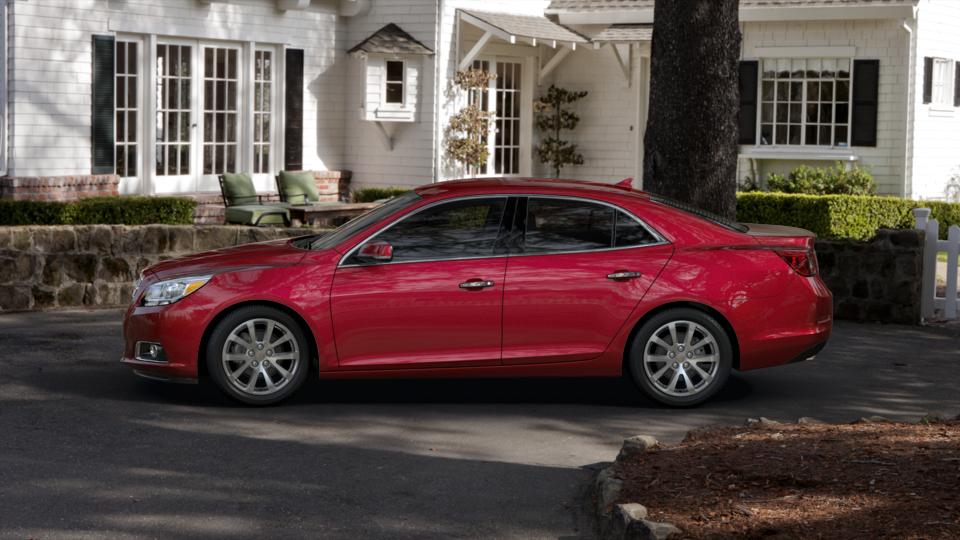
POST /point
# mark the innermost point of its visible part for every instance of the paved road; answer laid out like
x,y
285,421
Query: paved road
x,y
87,450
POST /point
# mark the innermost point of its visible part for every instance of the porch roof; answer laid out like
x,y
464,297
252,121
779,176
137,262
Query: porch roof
x,y
624,33
532,28
557,6
391,39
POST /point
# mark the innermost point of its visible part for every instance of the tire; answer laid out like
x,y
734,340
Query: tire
x,y
272,370
666,368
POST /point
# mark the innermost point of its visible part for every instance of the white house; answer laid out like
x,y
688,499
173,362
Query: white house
x,y
167,95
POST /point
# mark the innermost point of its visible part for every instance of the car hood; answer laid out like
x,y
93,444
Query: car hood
x,y
260,255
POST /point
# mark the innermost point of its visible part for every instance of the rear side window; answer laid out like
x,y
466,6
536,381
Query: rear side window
x,y
562,225
459,229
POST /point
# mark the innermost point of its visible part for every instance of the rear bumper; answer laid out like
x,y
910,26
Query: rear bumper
x,y
790,327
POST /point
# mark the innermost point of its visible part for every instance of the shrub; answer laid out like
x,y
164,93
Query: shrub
x,y
100,210
376,194
836,180
840,216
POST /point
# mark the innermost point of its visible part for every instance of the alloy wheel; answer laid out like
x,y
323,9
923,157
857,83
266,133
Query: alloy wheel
x,y
260,357
681,358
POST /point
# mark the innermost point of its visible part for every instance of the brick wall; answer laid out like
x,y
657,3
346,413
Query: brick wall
x,y
58,188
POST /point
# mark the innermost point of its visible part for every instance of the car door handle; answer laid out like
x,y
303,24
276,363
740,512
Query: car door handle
x,y
476,284
623,275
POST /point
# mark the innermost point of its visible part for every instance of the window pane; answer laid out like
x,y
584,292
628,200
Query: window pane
x,y
448,231
766,134
794,134
394,71
555,225
631,233
394,92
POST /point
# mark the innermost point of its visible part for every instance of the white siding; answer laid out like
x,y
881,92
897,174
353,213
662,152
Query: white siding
x,y
936,134
883,40
50,70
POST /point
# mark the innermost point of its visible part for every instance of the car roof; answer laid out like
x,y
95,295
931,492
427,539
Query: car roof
x,y
502,184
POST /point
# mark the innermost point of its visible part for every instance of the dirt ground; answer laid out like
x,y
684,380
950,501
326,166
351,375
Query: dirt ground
x,y
863,480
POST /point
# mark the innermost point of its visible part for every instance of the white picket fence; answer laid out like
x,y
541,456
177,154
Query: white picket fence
x,y
932,305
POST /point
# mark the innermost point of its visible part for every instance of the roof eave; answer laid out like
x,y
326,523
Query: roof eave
x,y
748,14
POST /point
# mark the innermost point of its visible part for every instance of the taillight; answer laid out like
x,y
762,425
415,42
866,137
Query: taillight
x,y
803,262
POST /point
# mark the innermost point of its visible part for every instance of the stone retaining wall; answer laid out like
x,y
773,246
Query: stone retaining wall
x,y
95,265
877,280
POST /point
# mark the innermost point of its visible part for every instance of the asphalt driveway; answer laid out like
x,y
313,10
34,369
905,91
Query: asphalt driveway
x,y
87,450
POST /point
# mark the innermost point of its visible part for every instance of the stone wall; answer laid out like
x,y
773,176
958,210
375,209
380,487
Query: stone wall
x,y
877,280
95,265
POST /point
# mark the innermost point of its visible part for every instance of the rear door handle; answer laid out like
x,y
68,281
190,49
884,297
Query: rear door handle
x,y
623,275
476,284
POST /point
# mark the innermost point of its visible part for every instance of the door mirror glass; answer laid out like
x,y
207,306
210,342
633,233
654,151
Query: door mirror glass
x,y
376,252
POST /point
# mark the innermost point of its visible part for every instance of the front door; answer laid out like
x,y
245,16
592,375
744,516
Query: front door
x,y
582,268
508,141
437,303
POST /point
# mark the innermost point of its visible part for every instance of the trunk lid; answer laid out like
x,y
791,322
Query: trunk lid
x,y
781,236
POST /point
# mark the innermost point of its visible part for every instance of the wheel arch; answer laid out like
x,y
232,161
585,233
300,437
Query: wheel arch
x,y
304,327
724,323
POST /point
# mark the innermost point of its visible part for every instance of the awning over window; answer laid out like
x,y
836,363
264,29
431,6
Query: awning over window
x,y
391,39
533,29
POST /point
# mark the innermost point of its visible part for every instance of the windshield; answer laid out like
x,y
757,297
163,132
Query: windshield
x,y
357,224
702,214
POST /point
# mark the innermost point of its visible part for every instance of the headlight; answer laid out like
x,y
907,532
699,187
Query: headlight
x,y
168,292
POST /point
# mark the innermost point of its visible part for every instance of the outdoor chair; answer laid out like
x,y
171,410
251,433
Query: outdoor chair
x,y
245,207
297,187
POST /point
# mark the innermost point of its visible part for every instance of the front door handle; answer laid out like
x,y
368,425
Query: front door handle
x,y
476,284
623,275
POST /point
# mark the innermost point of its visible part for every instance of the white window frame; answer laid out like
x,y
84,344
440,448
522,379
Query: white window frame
x,y
138,110
803,105
524,95
386,81
149,182
943,80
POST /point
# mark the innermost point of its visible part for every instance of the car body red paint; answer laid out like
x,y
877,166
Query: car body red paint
x,y
543,315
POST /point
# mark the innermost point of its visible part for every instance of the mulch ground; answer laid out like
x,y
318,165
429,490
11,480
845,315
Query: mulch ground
x,y
866,480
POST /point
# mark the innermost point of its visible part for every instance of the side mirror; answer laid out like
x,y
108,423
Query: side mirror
x,y
376,252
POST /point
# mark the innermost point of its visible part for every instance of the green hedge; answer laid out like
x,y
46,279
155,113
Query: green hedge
x,y
100,210
375,194
840,216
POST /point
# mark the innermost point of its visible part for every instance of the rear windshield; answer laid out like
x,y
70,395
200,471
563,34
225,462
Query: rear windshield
x,y
358,223
702,214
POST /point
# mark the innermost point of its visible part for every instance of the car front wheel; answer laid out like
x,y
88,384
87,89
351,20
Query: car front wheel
x,y
258,355
681,357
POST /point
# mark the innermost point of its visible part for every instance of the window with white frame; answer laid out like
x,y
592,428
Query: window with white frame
x,y
943,80
262,110
805,102
126,93
394,82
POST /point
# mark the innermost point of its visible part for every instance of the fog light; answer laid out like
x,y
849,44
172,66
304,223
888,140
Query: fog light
x,y
150,352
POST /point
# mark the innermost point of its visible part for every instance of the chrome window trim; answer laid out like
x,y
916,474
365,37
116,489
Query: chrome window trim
x,y
653,232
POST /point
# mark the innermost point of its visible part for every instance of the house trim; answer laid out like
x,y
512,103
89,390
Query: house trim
x,y
802,52
747,14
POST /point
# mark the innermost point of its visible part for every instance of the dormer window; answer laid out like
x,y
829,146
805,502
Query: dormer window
x,y
394,81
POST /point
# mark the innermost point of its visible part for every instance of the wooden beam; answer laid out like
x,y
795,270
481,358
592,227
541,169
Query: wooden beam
x,y
554,62
625,65
384,136
468,59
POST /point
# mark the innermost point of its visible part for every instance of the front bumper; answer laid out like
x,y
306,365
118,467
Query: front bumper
x,y
178,328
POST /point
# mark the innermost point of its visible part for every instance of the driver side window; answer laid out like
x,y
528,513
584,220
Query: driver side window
x,y
453,230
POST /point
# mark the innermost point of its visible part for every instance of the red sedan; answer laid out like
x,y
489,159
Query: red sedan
x,y
490,278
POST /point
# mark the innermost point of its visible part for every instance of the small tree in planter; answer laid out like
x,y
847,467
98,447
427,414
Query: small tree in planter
x,y
466,134
552,118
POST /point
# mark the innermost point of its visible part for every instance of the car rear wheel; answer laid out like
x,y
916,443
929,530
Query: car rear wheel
x,y
681,357
258,355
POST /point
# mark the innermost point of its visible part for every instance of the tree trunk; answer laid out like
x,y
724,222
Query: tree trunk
x,y
690,146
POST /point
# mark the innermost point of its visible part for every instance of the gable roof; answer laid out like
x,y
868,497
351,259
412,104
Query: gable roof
x,y
557,6
391,39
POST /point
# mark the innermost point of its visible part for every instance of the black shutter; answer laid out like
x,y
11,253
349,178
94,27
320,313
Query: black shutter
x,y
927,79
749,70
293,134
102,82
956,84
866,79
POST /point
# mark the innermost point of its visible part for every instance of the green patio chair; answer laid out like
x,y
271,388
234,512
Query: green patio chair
x,y
297,187
245,207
